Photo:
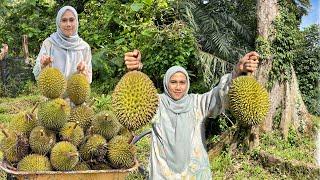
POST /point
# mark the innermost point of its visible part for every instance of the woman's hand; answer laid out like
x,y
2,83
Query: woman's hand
x,y
45,60
133,60
247,64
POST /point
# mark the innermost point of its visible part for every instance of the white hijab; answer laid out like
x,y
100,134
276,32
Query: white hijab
x,y
73,42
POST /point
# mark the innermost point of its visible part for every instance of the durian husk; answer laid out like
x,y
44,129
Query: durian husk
x,y
248,100
78,88
51,82
93,147
34,163
64,156
134,100
106,124
42,140
120,153
53,114
72,132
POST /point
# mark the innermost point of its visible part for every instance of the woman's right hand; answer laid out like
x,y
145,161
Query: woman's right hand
x,y
45,60
133,60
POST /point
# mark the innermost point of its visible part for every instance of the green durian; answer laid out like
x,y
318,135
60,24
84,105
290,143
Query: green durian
x,y
34,163
248,100
53,114
24,122
94,146
51,83
42,140
120,153
64,156
78,88
72,132
14,146
84,114
134,100
106,124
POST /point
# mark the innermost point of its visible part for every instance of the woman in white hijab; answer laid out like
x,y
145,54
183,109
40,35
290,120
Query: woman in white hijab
x,y
64,49
177,148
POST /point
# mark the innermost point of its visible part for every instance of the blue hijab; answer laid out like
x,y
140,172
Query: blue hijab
x,y
177,122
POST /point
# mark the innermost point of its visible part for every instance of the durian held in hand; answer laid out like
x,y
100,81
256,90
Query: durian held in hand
x,y
78,86
51,82
134,100
248,100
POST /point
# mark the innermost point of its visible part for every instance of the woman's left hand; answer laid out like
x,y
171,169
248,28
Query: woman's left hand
x,y
248,63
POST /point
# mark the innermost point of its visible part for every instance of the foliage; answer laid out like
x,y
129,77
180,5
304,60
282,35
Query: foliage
x,y
18,20
307,67
114,28
285,43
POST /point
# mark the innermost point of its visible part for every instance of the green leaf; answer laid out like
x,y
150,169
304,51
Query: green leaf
x,y
136,6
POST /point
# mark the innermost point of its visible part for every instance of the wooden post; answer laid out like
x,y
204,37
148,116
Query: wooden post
x,y
25,48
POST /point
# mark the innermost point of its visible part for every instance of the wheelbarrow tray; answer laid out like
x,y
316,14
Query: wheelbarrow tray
x,y
112,174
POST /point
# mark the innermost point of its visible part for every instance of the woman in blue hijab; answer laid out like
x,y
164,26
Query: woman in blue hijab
x,y
64,49
177,148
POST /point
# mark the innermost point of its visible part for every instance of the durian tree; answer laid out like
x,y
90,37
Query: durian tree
x,y
277,40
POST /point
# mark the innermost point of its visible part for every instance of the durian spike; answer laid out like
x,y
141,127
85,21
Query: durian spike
x,y
70,155
76,124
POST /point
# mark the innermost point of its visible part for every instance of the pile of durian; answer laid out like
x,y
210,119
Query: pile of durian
x,y
63,133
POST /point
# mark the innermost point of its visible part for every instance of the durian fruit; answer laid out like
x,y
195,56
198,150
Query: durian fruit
x,y
248,100
78,88
81,166
82,113
72,132
34,162
134,100
13,146
53,114
64,156
51,82
42,140
120,153
24,122
93,147
105,124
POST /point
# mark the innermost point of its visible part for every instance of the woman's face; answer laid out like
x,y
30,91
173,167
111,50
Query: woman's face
x,y
68,23
177,85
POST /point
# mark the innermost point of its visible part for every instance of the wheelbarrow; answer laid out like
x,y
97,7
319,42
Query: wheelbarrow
x,y
112,174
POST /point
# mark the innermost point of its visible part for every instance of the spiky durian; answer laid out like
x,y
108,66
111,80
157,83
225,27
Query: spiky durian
x,y
51,82
249,100
134,100
53,114
14,146
72,132
94,147
23,122
34,162
78,88
84,114
42,140
120,153
105,124
64,156
81,166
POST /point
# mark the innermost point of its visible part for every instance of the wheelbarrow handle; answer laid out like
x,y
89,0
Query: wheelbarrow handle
x,y
138,137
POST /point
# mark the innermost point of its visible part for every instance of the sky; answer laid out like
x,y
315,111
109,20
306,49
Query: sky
x,y
313,16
